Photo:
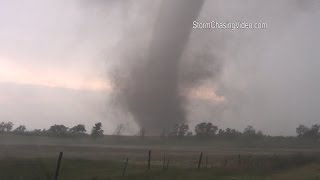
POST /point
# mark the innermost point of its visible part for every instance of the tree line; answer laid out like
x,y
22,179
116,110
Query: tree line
x,y
207,130
203,130
54,130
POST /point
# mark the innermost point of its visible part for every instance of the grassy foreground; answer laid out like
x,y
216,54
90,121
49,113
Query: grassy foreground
x,y
35,158
262,167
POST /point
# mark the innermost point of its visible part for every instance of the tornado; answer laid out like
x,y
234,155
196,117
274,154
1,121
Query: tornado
x,y
152,92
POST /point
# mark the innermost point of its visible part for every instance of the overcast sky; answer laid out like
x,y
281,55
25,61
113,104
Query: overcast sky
x,y
56,58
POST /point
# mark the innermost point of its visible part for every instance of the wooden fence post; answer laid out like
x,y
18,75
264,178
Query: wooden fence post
x,y
149,159
225,163
164,162
58,166
207,162
167,164
125,167
200,158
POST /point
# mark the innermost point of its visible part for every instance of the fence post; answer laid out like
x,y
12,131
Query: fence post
x,y
168,164
58,166
225,163
164,162
200,158
125,167
207,162
149,159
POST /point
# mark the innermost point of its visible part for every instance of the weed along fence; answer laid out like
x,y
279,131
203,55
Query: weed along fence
x,y
155,163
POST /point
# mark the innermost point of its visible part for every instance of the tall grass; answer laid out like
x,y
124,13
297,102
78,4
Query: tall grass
x,y
257,167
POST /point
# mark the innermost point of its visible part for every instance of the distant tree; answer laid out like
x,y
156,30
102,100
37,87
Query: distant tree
x,y
200,129
259,134
211,129
235,132
36,132
313,132
142,132
249,131
2,127
206,129
44,132
119,129
163,133
306,132
97,130
77,130
189,133
229,133
58,130
302,130
5,127
20,129
183,129
221,132
179,130
174,131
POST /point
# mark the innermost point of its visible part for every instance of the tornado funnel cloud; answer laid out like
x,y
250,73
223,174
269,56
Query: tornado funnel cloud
x,y
152,93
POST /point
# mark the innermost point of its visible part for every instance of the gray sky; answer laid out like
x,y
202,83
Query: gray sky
x,y
56,59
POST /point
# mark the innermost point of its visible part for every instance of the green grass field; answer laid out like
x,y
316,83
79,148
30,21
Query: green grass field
x,y
102,169
24,158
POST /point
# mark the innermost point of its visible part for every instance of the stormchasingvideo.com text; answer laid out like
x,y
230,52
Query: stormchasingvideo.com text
x,y
229,25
